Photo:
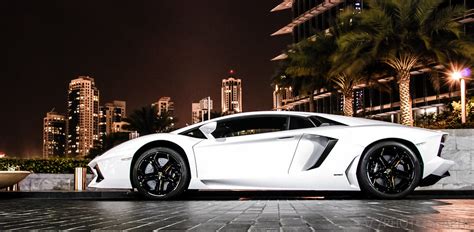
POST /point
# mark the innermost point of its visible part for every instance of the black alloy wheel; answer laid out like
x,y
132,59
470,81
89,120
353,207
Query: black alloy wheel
x,y
160,173
389,170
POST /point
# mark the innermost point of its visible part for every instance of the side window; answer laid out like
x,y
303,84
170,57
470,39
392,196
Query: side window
x,y
250,126
300,123
195,133
320,121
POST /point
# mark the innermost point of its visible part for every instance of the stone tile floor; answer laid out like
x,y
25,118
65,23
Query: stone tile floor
x,y
238,215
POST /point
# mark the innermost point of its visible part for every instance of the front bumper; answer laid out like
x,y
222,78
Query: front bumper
x,y
111,173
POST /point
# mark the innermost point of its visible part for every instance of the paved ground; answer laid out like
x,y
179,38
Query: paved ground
x,y
305,213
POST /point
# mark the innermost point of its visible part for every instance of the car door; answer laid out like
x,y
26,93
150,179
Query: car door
x,y
248,152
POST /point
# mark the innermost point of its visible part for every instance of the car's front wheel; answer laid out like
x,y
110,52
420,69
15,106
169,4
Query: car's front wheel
x,y
160,173
389,170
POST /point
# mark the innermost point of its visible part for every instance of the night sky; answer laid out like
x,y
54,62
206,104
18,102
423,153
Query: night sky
x,y
137,51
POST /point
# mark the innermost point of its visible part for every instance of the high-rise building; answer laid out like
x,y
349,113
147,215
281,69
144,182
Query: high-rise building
x,y
201,109
231,94
312,16
119,127
82,116
111,113
196,112
164,104
54,135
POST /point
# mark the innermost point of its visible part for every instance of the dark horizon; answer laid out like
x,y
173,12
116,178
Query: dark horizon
x,y
136,52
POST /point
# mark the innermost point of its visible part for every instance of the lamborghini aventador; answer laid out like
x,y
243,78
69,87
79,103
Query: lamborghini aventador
x,y
277,150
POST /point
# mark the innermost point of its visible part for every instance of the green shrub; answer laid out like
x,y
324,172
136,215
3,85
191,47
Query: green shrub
x,y
56,166
449,119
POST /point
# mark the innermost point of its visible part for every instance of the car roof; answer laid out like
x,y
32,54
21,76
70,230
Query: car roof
x,y
253,113
349,121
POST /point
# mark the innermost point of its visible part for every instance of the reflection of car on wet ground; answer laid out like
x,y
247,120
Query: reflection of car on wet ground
x,y
277,151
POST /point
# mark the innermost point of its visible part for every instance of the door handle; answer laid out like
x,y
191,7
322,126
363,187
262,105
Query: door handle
x,y
286,137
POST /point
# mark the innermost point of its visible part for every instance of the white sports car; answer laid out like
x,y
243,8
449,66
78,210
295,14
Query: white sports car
x,y
277,150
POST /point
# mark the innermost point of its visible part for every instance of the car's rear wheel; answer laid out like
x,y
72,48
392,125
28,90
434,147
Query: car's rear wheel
x,y
160,173
389,170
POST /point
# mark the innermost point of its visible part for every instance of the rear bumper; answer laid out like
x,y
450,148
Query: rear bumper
x,y
435,170
432,179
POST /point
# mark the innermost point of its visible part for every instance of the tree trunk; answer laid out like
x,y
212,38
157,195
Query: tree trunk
x,y
311,102
405,99
348,104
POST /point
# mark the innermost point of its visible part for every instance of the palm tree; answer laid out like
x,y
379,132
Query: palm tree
x,y
317,60
280,77
309,60
146,120
165,122
403,34
346,84
344,78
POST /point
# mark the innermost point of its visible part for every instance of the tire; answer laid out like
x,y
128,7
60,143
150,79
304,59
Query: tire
x,y
389,170
160,173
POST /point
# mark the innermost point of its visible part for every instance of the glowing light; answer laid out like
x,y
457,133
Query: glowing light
x,y
456,75
461,74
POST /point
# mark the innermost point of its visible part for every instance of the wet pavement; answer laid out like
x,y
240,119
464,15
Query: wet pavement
x,y
237,213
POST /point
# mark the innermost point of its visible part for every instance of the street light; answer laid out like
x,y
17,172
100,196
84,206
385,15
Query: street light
x,y
460,75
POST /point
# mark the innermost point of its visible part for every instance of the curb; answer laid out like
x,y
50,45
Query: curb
x,y
235,195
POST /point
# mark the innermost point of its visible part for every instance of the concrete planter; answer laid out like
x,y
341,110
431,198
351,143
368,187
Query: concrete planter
x,y
9,178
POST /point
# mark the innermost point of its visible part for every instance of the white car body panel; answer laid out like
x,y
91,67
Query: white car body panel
x,y
276,160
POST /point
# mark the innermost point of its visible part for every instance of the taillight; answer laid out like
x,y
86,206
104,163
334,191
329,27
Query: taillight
x,y
441,145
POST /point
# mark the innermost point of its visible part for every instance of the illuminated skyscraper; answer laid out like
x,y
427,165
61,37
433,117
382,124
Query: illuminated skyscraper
x,y
82,116
196,112
164,104
231,94
201,109
54,135
110,114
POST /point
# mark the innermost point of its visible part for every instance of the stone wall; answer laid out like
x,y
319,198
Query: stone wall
x,y
459,147
49,182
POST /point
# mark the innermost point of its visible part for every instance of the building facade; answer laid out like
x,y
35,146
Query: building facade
x,y
82,116
201,110
54,135
119,127
195,112
312,16
110,114
164,104
231,94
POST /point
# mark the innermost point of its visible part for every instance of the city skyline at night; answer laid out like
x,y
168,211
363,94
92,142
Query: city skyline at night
x,y
135,52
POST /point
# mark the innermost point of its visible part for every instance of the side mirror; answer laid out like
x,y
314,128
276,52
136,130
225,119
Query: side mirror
x,y
208,128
